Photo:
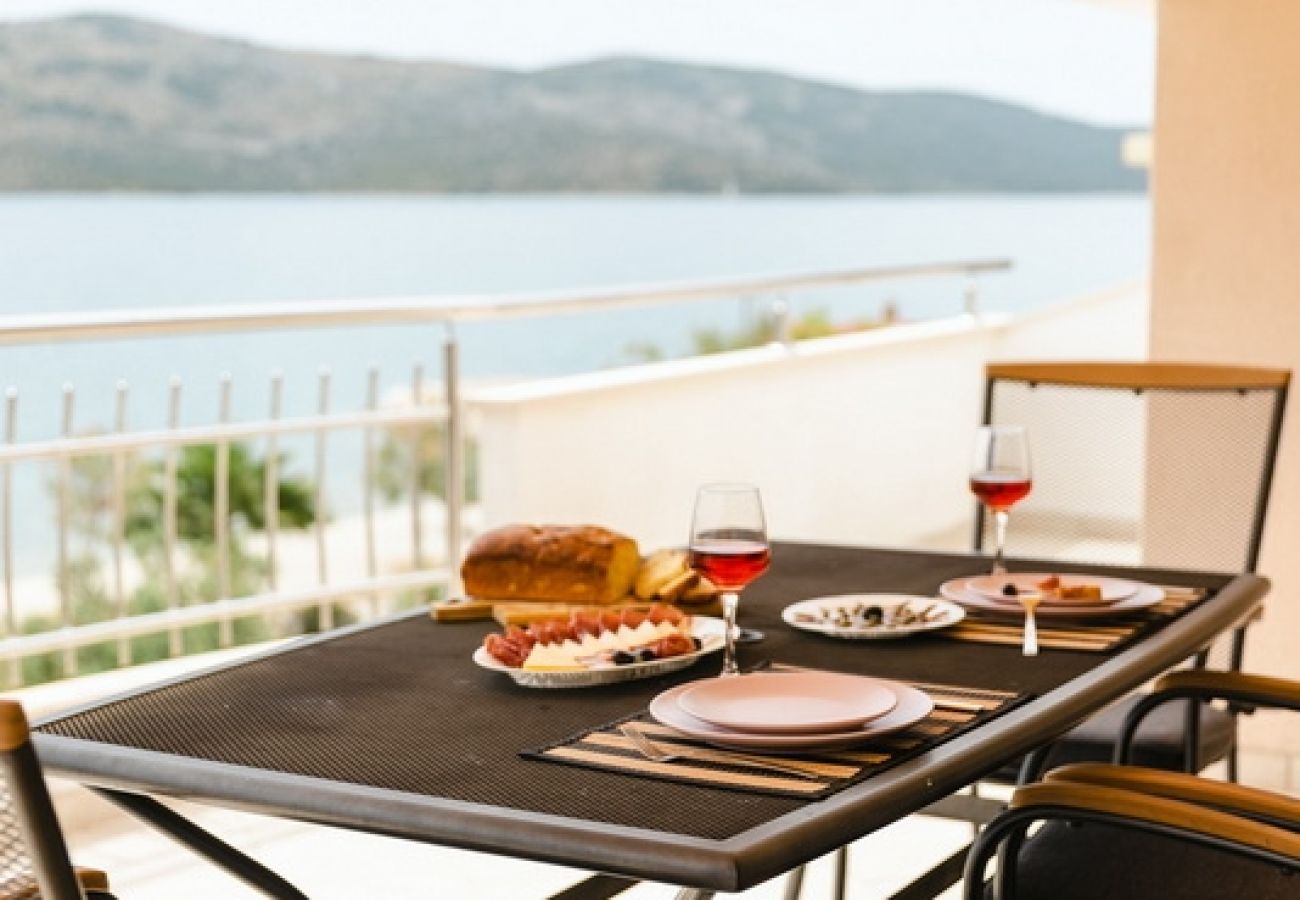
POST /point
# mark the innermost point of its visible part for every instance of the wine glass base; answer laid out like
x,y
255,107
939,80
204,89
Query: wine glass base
x,y
749,636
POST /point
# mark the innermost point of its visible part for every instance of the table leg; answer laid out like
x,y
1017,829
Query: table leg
x,y
937,880
841,873
597,887
694,894
216,851
794,884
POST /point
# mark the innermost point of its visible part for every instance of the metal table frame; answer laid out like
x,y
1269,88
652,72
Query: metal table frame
x,y
733,864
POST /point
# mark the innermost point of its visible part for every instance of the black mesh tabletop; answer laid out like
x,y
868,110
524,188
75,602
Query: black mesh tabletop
x,y
400,706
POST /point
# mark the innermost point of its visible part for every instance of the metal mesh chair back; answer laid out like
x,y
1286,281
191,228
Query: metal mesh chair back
x,y
33,856
17,876
1141,464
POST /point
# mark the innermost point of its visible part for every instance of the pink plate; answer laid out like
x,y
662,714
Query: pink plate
x,y
958,591
1112,589
912,706
788,702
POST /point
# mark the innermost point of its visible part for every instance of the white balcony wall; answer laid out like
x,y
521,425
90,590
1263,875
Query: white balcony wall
x,y
858,439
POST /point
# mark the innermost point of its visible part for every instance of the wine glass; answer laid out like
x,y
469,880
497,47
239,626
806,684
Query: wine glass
x,y
1000,477
729,547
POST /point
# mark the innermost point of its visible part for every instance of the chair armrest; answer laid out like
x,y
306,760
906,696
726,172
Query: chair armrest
x,y
92,880
1277,809
1209,684
1062,799
1059,799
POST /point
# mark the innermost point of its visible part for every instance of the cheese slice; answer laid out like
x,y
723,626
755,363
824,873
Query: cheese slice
x,y
570,655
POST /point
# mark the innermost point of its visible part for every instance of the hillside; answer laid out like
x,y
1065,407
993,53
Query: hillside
x,y
100,102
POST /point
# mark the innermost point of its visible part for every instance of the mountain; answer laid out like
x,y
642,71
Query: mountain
x,y
101,102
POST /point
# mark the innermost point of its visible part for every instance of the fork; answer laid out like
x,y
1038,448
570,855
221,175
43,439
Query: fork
x,y
657,753
1030,603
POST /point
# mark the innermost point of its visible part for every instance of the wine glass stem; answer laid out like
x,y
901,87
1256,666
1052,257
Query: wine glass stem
x,y
1000,517
730,600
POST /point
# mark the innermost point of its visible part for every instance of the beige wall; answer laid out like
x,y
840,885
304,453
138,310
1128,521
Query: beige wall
x,y
1226,268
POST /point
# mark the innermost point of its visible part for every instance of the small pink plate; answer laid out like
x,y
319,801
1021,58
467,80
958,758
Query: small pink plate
x,y
789,702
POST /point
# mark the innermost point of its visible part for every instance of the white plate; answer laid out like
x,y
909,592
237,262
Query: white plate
x,y
913,706
1112,589
708,629
1147,596
947,613
788,703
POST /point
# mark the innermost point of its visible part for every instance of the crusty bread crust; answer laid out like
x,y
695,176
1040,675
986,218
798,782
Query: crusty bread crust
x,y
571,564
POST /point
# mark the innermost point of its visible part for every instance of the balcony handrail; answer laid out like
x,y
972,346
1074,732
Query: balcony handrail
x,y
445,408
447,308
127,441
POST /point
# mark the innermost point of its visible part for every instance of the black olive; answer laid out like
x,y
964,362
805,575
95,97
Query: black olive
x,y
1009,590
699,644
646,655
623,658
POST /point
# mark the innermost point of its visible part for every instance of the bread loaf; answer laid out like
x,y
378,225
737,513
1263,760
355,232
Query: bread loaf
x,y
570,564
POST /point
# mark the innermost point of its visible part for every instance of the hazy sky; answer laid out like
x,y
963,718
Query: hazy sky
x,y
1064,56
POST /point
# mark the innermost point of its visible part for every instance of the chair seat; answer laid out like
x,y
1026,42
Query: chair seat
x,y
1066,861
1157,745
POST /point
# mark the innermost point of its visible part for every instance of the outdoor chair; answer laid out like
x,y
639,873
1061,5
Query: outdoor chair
x,y
1163,465
1126,832
33,856
1140,463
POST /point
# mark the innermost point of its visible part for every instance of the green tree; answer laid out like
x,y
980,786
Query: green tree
x,y
87,483
196,481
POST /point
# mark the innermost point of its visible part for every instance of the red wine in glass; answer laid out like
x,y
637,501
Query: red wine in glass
x,y
728,546
1000,490
1000,477
730,563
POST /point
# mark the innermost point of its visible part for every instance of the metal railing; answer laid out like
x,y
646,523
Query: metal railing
x,y
421,412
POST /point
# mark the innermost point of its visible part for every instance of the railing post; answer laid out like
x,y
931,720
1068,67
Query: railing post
x,y
368,484
221,515
175,639
416,473
971,294
454,455
11,614
65,565
783,328
271,484
326,610
119,524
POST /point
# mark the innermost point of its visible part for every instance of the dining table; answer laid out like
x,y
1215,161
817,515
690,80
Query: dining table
x,y
388,727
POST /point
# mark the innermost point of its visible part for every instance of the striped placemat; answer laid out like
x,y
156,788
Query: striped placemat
x,y
957,709
1090,636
